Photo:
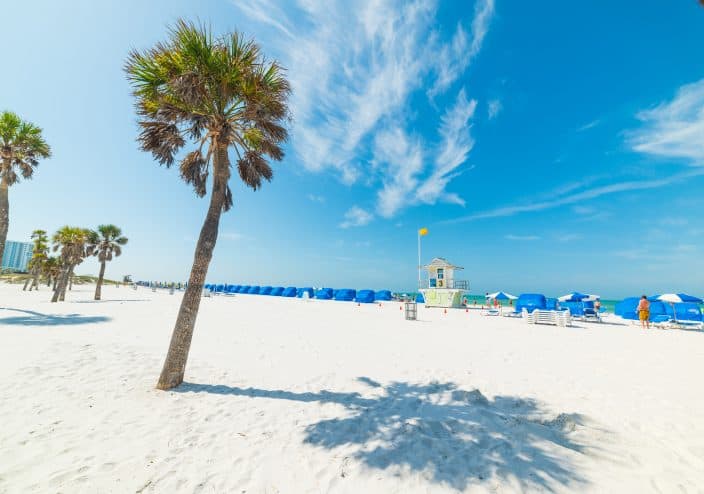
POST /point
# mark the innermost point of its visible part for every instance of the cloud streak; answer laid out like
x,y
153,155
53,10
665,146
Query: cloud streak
x,y
674,129
578,196
356,216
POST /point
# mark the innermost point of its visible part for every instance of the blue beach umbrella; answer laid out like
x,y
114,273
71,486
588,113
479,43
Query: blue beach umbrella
x,y
501,296
678,298
574,297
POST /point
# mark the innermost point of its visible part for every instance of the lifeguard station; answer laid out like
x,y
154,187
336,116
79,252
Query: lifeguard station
x,y
443,290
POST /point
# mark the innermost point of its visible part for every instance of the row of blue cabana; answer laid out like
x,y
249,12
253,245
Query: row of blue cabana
x,y
341,294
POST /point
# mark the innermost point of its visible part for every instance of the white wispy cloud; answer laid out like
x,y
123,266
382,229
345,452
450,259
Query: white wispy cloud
x,y
568,237
453,59
356,216
493,108
589,125
456,144
354,68
521,238
674,129
316,198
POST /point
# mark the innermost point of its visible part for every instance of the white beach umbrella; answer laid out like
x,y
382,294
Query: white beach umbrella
x,y
501,296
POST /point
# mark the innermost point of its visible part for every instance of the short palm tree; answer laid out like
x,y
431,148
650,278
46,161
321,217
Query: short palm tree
x,y
221,95
21,147
108,244
52,270
75,245
40,253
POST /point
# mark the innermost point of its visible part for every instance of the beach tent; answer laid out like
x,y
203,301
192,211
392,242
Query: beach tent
x,y
552,304
301,291
345,294
219,288
674,299
575,308
231,288
324,294
530,302
265,290
277,291
685,311
245,289
254,290
626,308
501,296
289,291
382,295
365,296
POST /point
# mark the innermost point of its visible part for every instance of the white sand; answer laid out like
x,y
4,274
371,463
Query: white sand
x,y
291,396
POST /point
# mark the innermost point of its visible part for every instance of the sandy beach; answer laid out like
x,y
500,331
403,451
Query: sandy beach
x,y
284,395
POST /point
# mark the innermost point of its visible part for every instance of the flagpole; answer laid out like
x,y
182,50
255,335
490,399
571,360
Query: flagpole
x,y
419,259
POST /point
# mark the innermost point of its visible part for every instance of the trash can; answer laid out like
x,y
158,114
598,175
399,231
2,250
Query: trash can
x,y
411,311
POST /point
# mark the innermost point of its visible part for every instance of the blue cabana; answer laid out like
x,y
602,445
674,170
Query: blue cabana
x,y
626,308
382,295
245,289
265,290
552,304
277,291
531,301
685,311
219,288
324,294
365,296
254,290
301,291
420,299
345,294
289,291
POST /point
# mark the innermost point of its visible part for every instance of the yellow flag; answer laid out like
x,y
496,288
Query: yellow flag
x,y
423,231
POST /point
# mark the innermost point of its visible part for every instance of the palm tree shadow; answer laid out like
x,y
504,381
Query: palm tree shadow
x,y
448,435
32,318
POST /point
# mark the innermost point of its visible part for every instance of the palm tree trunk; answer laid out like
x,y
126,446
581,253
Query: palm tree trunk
x,y
56,279
4,212
100,281
26,282
60,284
35,282
70,281
67,282
175,363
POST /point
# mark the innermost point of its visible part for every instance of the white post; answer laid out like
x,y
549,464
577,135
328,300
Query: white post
x,y
419,287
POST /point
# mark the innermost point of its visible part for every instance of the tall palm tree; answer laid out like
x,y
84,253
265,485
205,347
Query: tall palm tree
x,y
21,147
108,244
40,253
221,95
74,244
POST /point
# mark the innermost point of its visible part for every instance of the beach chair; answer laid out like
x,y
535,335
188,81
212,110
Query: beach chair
x,y
492,312
589,313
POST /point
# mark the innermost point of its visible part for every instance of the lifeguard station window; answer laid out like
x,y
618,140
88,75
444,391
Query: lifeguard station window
x,y
441,273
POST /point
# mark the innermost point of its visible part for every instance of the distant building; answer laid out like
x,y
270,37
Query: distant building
x,y
16,256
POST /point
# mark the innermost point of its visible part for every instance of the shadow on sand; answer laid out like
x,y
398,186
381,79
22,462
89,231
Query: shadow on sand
x,y
448,435
32,318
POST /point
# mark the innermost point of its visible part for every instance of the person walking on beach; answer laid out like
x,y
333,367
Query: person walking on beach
x,y
644,312
597,305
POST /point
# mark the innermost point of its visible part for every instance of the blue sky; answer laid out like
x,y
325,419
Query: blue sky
x,y
549,146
